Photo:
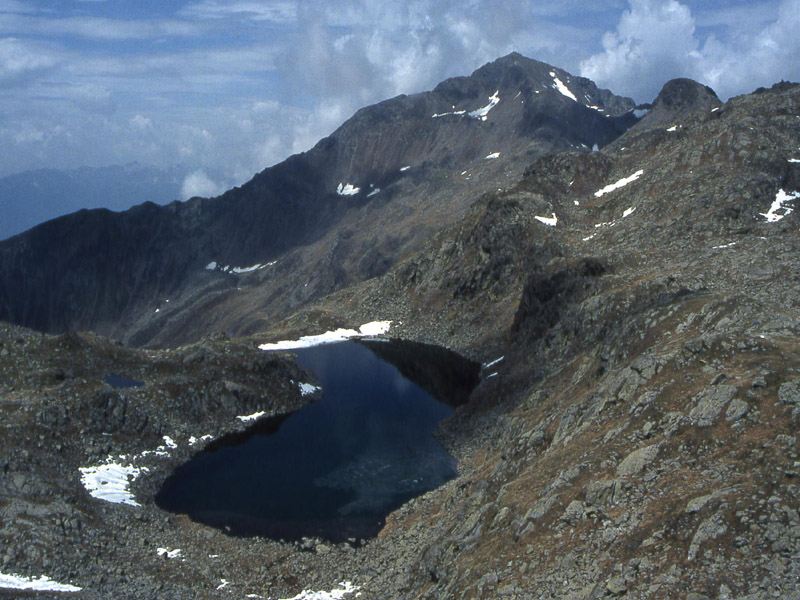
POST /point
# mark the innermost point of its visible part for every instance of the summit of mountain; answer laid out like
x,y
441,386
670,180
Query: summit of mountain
x,y
413,163
679,98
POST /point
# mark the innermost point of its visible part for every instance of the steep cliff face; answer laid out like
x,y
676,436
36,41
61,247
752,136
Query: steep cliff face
x,y
395,162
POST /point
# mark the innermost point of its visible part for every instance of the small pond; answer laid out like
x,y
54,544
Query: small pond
x,y
335,468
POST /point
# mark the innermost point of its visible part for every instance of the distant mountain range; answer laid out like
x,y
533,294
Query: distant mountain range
x,y
33,197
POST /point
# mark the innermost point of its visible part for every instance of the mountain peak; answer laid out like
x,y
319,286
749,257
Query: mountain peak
x,y
682,95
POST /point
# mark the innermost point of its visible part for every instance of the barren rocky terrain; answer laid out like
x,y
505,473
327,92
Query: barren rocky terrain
x,y
634,434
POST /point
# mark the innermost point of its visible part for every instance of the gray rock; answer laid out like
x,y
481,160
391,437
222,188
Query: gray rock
x,y
737,409
789,392
622,384
696,504
709,403
637,460
601,493
709,529
501,516
541,508
575,512
322,549
616,586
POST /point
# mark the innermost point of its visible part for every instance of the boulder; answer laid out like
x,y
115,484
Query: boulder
x,y
709,403
637,460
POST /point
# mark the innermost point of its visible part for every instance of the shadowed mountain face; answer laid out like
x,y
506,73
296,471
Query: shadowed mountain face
x,y
411,164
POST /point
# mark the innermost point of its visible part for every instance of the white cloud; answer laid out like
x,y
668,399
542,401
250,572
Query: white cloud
x,y
140,122
20,59
92,97
96,28
656,40
761,59
29,135
263,79
199,184
276,12
15,6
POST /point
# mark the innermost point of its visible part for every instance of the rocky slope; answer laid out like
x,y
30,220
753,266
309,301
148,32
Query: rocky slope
x,y
638,438
412,163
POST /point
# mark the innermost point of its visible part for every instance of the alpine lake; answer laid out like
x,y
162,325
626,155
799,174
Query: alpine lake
x,y
338,466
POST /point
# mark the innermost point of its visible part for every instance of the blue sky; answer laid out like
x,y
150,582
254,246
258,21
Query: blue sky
x,y
228,88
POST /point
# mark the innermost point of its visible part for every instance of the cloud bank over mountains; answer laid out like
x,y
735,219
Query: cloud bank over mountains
x,y
234,86
658,40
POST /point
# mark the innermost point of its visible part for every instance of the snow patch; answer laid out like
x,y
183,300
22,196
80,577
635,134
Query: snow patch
x,y
404,169
214,266
238,270
42,584
586,239
110,481
483,112
781,199
492,155
195,440
489,365
628,211
559,85
368,329
794,160
455,112
731,245
345,588
253,417
621,183
347,189
551,221
306,389
605,224
673,128
169,553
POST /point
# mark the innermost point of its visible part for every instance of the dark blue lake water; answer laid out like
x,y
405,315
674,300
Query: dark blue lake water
x,y
338,466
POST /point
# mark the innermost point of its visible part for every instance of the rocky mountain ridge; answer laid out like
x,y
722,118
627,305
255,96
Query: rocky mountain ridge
x,y
32,197
408,162
634,434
